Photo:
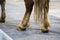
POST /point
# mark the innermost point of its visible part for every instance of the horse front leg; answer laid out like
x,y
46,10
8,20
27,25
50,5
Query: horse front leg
x,y
46,24
25,22
2,19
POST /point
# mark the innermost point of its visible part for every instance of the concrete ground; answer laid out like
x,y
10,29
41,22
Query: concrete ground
x,y
14,14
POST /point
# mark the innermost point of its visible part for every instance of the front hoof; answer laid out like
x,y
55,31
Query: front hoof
x,y
21,29
2,21
44,31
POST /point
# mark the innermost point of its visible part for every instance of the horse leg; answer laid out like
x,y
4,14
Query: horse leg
x,y
3,12
25,22
46,24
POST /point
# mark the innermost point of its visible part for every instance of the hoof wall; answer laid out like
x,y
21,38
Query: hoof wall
x,y
21,29
44,31
2,21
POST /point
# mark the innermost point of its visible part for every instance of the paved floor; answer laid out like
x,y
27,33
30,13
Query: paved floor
x,y
15,12
33,32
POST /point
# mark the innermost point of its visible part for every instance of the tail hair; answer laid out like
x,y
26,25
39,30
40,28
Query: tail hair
x,y
37,11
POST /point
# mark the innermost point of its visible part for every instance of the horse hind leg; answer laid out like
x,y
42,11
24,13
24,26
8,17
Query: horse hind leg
x,y
25,22
2,19
46,24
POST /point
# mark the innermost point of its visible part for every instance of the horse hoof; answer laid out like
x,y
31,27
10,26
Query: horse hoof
x,y
2,21
21,29
44,31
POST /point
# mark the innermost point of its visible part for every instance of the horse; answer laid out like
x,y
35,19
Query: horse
x,y
3,15
44,6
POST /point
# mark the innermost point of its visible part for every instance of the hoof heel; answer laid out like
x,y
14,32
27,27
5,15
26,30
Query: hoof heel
x,y
44,31
21,29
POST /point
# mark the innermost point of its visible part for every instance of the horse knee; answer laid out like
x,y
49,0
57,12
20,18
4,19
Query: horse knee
x,y
29,5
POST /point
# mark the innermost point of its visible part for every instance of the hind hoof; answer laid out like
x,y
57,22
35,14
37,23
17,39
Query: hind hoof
x,y
44,31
